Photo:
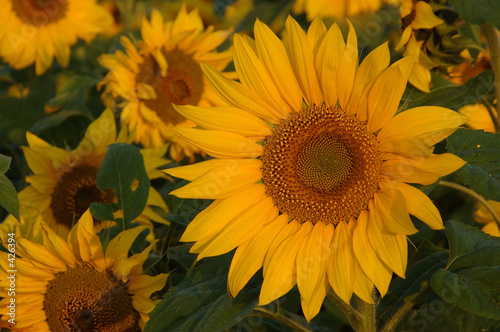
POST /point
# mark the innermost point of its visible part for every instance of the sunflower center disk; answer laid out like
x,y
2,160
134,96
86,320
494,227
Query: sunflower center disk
x,y
40,12
84,299
74,192
182,85
321,165
324,164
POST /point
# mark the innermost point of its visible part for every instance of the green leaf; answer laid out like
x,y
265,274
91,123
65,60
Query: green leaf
x,y
201,301
481,150
417,280
121,170
471,278
55,119
453,96
4,163
467,293
464,239
182,210
8,196
478,11
70,88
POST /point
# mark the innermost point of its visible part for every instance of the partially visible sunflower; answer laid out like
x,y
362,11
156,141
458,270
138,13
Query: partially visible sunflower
x,y
338,9
73,285
483,216
312,164
63,183
29,225
164,70
417,15
470,68
34,31
479,117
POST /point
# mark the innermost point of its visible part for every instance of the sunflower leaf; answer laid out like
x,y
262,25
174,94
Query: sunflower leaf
x,y
8,196
123,171
70,88
470,280
450,95
481,151
205,305
478,11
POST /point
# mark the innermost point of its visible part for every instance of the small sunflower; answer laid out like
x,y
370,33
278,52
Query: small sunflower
x,y
34,31
338,9
74,285
165,70
479,117
483,216
417,15
63,183
311,165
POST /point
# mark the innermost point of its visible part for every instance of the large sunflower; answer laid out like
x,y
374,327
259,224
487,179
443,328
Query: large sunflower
x,y
312,164
63,183
34,31
165,69
74,285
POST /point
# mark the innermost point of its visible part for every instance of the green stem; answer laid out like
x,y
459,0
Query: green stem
x,y
393,322
474,194
351,314
367,314
493,38
285,320
494,118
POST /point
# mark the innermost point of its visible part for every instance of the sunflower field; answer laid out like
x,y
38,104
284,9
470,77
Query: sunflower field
x,y
249,165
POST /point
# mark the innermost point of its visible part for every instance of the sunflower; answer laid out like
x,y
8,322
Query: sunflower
x,y
338,9
74,285
417,15
63,183
479,117
35,31
311,165
483,216
164,70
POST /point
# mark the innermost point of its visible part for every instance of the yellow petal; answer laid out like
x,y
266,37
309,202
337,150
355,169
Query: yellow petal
x,y
272,53
253,74
302,61
427,124
193,171
363,286
237,95
242,228
386,92
289,229
418,204
316,32
119,246
347,68
220,183
147,285
58,247
211,220
312,261
392,249
311,309
249,257
327,61
220,144
367,257
38,253
424,17
373,64
421,170
281,273
225,118
392,212
342,263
